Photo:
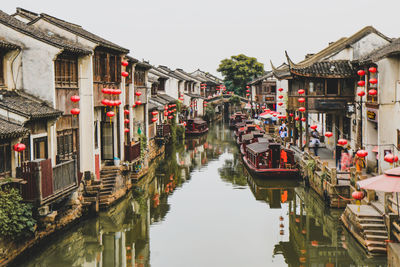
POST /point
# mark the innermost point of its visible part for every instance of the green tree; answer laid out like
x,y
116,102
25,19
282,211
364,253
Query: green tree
x,y
238,71
16,218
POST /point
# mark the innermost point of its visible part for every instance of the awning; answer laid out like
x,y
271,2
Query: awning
x,y
387,182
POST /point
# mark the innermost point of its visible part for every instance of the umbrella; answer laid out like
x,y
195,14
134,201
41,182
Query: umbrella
x,y
387,182
266,115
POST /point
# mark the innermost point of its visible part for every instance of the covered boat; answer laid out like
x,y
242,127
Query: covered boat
x,y
196,126
236,118
270,160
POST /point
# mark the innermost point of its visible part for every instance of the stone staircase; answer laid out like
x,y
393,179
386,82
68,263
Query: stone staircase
x,y
367,226
374,232
108,176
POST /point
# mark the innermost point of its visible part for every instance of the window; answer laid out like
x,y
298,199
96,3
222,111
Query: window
x,y
66,71
398,139
106,67
40,148
319,87
161,85
332,86
273,89
5,158
65,144
1,68
139,77
329,122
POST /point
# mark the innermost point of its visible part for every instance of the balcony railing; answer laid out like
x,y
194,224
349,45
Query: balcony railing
x,y
132,152
163,130
45,183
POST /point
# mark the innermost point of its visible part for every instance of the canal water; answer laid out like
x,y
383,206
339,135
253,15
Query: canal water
x,y
199,207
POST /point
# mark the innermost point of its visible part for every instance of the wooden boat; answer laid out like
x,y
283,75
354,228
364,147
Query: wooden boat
x,y
270,160
196,126
247,129
236,118
252,138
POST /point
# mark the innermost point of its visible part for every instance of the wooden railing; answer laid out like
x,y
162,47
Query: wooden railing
x,y
64,175
45,183
132,152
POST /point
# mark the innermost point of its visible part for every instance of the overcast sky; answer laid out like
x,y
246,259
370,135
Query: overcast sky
x,y
193,34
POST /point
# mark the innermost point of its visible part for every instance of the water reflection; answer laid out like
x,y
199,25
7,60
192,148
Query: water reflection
x,y
185,213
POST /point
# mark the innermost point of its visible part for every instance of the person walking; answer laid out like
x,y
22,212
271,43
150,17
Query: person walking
x,y
338,156
346,160
315,141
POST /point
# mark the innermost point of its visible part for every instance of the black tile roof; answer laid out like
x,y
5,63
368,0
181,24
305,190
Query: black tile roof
x,y
391,49
281,72
158,102
26,13
7,45
266,75
167,98
77,29
339,45
327,69
36,33
26,105
10,129
258,147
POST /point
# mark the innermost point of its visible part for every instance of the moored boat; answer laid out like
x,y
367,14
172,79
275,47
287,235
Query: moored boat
x,y
270,160
236,118
196,126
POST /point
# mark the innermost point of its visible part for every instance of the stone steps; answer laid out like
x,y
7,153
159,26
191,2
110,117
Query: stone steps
x,y
372,226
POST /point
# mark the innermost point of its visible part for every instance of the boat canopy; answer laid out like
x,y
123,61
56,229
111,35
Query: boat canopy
x,y
257,148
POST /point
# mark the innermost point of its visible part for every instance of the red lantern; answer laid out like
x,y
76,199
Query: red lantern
x,y
361,83
279,116
125,63
19,147
303,119
106,91
138,102
247,87
75,111
126,121
302,109
284,117
165,113
301,91
328,134
170,117
372,70
280,103
166,107
361,93
362,153
110,114
296,118
117,91
280,89
389,158
372,92
154,113
75,98
373,81
105,102
247,94
280,97
313,127
125,74
126,112
342,142
275,114
138,93
134,105
301,100
357,195
126,130
361,72
118,102
248,91
154,119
